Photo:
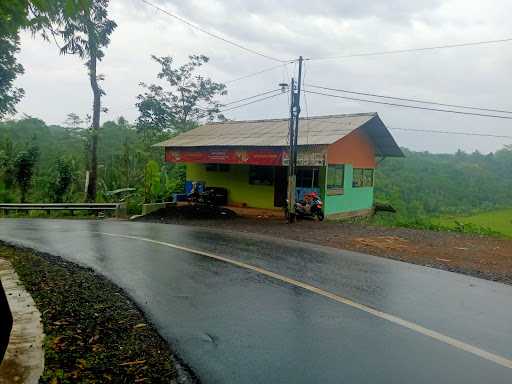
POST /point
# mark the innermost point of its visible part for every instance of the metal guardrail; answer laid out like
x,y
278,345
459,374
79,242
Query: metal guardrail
x,y
119,208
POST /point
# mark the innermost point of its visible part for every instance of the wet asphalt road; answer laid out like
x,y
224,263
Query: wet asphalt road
x,y
233,325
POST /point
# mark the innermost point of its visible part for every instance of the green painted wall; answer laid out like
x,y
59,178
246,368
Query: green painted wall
x,y
262,196
237,183
353,199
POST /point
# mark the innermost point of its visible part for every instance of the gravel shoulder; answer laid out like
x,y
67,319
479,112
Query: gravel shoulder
x,y
481,256
93,331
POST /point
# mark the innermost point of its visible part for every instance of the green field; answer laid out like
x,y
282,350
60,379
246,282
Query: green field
x,y
500,220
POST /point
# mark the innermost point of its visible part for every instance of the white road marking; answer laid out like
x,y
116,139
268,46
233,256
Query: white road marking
x,y
503,361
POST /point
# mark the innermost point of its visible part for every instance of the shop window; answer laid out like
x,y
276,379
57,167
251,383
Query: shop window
x,y
261,175
217,167
363,177
335,178
307,178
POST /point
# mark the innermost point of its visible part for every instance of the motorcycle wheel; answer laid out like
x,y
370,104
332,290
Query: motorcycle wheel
x,y
320,216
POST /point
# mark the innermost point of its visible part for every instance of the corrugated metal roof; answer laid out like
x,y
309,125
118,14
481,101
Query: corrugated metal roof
x,y
320,130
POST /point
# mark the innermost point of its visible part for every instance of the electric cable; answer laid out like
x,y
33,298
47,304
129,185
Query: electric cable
x,y
192,25
411,100
451,132
396,51
411,106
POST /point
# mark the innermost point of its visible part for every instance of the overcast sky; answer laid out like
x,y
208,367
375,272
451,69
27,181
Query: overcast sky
x,y
476,76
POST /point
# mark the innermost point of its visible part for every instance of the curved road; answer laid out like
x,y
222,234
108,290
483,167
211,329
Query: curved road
x,y
242,308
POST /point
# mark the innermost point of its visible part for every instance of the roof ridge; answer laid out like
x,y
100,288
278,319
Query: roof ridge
x,y
287,118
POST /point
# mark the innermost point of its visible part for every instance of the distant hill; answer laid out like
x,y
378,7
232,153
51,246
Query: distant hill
x,y
424,184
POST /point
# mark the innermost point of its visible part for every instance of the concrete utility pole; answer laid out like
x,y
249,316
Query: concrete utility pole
x,y
294,133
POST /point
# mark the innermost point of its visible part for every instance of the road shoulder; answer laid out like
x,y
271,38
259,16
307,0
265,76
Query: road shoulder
x,y
94,332
24,359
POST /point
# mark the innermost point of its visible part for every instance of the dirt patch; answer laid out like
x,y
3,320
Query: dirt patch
x,y
191,212
486,257
94,333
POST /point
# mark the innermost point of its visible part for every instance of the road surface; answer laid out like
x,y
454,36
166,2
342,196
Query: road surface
x,y
241,308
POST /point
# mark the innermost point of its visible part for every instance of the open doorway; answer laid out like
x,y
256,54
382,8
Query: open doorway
x,y
280,186
307,181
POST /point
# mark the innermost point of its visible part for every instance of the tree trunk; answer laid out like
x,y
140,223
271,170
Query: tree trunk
x,y
96,110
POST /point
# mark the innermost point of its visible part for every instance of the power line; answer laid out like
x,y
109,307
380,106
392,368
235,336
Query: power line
x,y
412,106
396,51
452,132
251,97
212,34
242,105
411,100
252,102
255,73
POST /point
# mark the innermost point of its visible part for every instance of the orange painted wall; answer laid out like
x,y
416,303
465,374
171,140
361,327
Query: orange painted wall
x,y
355,149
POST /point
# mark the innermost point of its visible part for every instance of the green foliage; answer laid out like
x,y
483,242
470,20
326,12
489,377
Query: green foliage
x,y
63,180
86,30
152,187
175,180
187,98
425,184
122,157
9,69
7,163
36,15
24,164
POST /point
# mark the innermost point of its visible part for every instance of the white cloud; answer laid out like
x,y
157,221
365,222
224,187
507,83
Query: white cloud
x,y
57,85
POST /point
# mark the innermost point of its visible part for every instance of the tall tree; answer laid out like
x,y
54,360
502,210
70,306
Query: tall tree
x,y
12,17
24,170
86,34
62,180
73,121
187,98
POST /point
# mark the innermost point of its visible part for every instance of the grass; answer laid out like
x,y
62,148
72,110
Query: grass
x,y
93,332
498,220
446,224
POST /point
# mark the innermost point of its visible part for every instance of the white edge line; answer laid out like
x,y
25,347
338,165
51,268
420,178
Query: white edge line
x,y
375,312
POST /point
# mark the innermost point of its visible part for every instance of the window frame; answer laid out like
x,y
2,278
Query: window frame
x,y
216,167
314,177
339,187
269,170
361,181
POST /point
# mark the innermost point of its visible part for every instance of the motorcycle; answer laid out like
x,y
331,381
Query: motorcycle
x,y
201,196
310,207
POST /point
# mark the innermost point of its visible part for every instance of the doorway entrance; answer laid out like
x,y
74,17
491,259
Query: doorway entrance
x,y
280,186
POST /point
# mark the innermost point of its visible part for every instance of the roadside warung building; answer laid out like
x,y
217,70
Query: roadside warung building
x,y
337,157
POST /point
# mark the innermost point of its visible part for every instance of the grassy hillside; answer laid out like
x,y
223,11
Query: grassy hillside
x,y
498,220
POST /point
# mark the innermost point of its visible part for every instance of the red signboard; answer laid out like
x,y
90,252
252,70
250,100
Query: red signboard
x,y
226,156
